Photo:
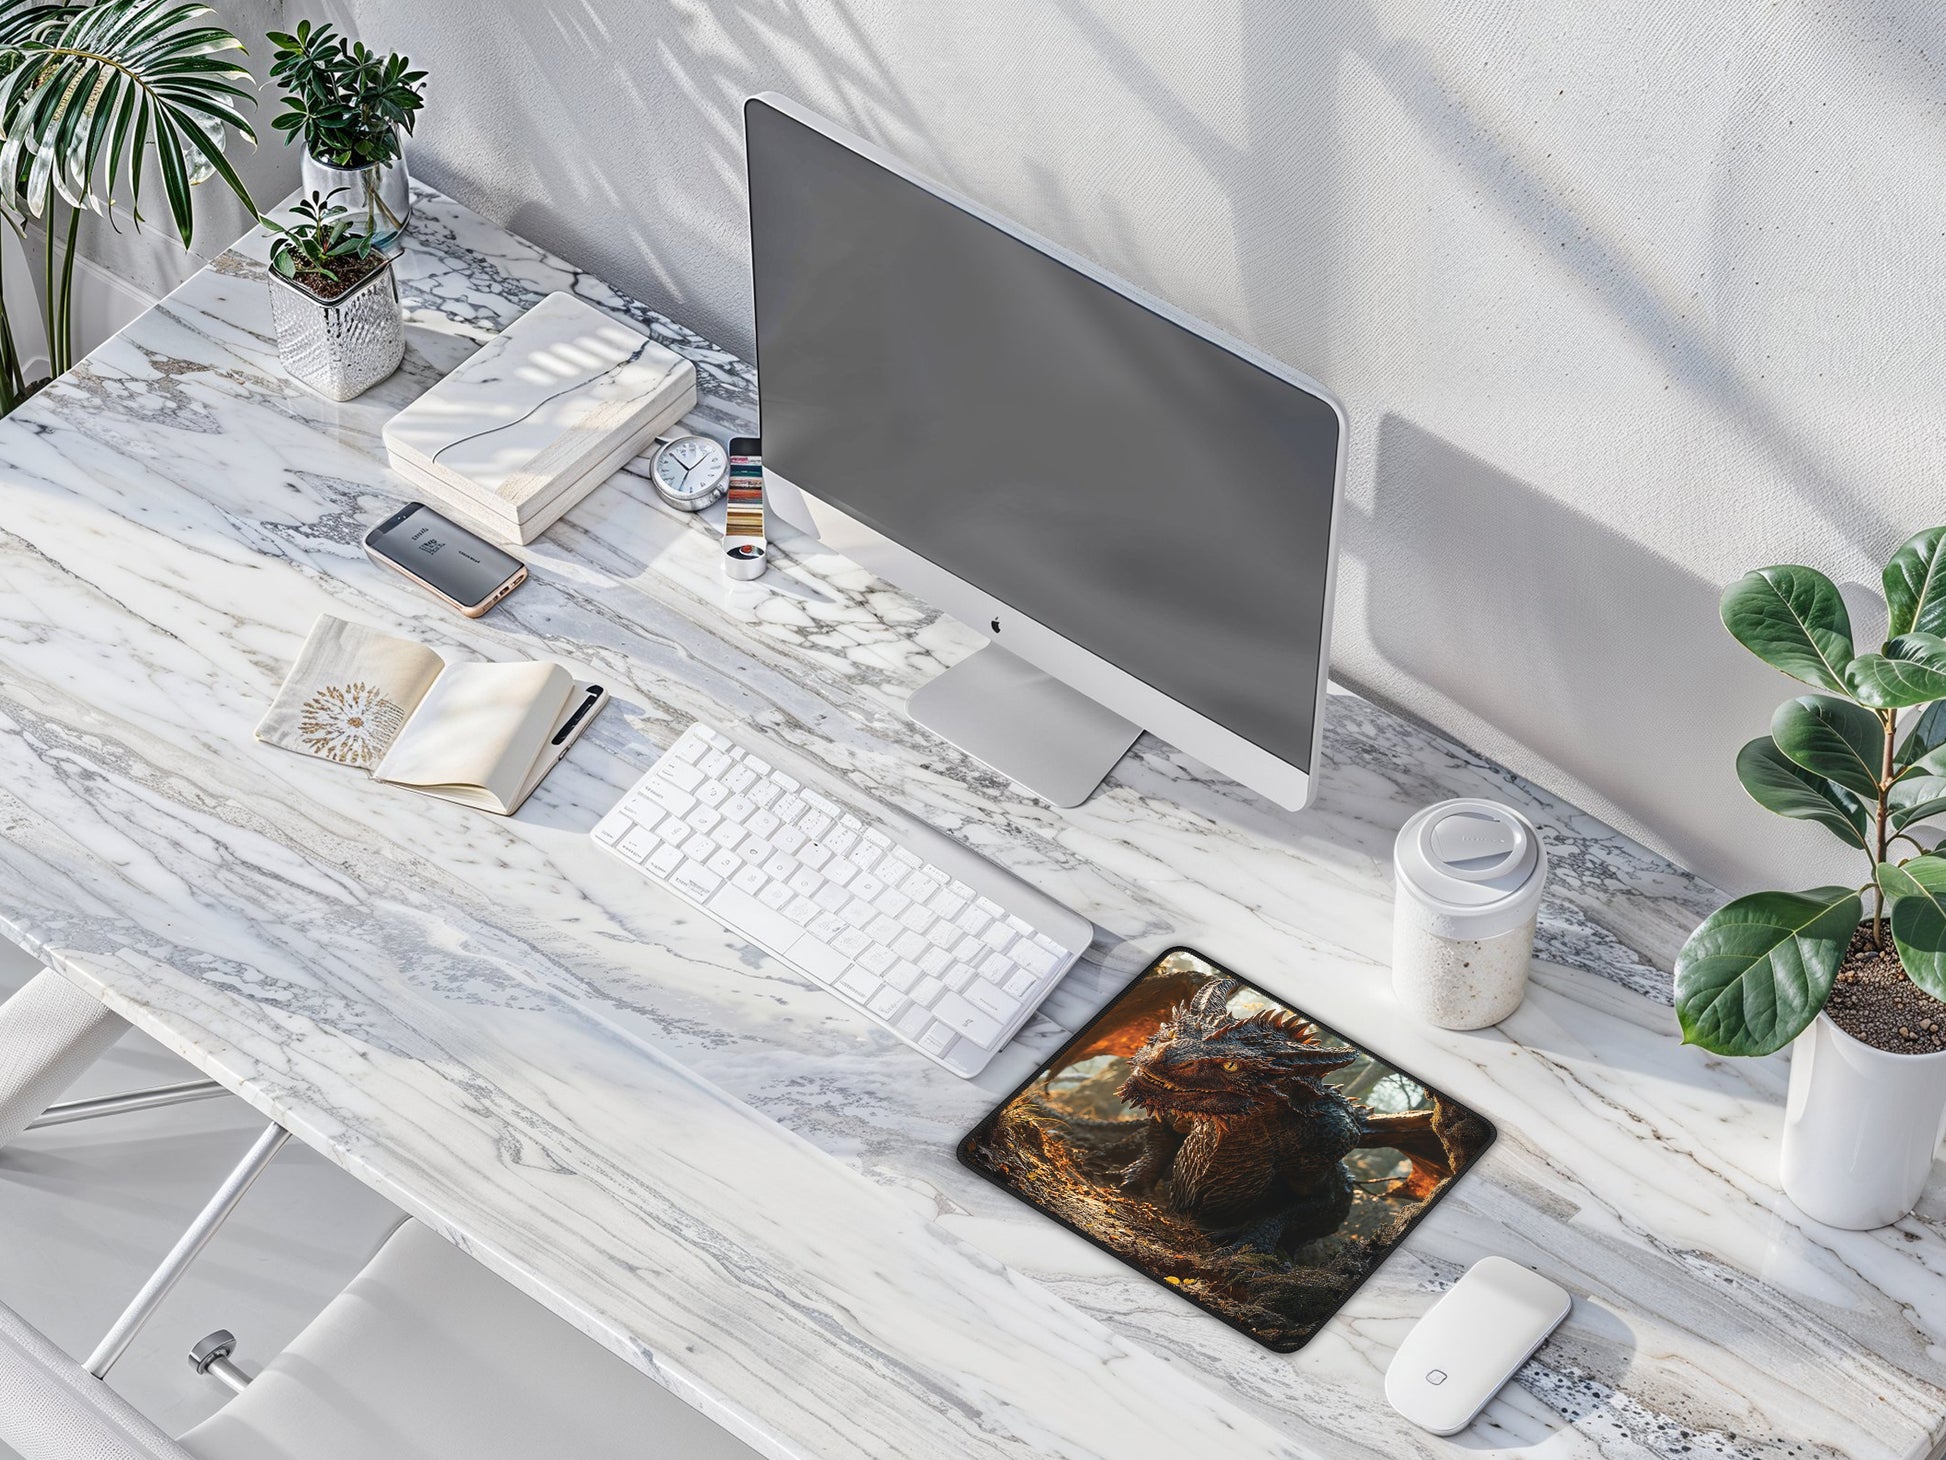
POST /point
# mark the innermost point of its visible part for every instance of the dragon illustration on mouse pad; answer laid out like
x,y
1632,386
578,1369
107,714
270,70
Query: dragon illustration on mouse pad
x,y
1228,1146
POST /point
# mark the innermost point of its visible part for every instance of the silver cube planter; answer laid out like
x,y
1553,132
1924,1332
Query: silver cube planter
x,y
339,347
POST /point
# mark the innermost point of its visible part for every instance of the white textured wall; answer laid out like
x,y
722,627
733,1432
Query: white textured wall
x,y
1623,299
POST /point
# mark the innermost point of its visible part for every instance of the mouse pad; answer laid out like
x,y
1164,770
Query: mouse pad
x,y
1222,1143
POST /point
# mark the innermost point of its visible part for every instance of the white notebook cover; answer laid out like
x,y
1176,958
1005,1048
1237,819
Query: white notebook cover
x,y
539,405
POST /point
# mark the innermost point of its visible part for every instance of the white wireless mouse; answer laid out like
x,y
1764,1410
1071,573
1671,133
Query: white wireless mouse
x,y
1471,1341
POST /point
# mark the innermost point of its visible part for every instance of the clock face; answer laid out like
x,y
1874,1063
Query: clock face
x,y
690,467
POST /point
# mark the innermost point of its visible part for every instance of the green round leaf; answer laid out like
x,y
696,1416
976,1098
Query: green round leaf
x,y
1925,735
1915,585
1792,618
1917,901
1777,783
1755,974
1833,739
1911,671
1915,798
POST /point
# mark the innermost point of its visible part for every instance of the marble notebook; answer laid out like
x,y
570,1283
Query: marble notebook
x,y
539,416
1244,1155
476,733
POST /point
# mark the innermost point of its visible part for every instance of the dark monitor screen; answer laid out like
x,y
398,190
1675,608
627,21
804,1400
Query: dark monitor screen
x,y
1138,489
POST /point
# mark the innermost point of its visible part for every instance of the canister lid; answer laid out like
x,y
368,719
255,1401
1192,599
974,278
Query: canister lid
x,y
1476,868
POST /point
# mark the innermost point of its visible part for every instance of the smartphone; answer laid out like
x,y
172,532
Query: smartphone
x,y
459,568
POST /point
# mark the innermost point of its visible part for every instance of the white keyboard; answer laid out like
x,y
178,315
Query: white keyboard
x,y
948,951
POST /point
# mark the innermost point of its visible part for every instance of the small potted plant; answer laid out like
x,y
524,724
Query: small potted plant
x,y
335,301
350,105
1860,994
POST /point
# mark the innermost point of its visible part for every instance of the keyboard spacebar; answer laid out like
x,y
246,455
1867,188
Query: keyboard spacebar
x,y
747,916
776,932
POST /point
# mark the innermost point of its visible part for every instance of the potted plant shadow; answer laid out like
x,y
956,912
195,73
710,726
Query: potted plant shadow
x,y
335,301
1859,995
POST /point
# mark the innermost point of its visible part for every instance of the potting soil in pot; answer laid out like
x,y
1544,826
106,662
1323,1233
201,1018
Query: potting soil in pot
x,y
1874,1001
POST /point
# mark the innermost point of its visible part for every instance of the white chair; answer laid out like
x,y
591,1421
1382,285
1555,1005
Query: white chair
x,y
428,1356
424,1356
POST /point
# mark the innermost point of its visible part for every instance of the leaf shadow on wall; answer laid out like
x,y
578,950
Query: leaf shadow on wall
x,y
1494,595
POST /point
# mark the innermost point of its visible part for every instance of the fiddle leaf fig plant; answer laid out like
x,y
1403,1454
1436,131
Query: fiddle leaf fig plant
x,y
1865,758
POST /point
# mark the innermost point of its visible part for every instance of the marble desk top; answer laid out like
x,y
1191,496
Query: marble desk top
x,y
708,1163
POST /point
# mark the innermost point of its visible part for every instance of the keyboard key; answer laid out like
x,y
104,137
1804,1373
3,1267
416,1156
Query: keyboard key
x,y
925,990
749,879
865,856
806,883
885,963
909,945
714,764
788,839
739,808
999,937
670,798
682,776
690,747
937,1039
918,886
888,900
665,861
822,804
740,778
1019,924
726,834
906,858
824,928
886,1003
764,793
611,829
827,895
775,895
699,848
763,823
819,961
1030,956
703,818
855,983
716,738
972,921
842,841
814,856
913,1021
815,823
757,920
694,881
725,863
970,950
996,967
638,844
958,976
780,866
841,872
997,1002
756,850
858,913
963,1018
789,808
948,906
757,763
1020,982
712,793
942,935
801,910
934,962
851,942
883,929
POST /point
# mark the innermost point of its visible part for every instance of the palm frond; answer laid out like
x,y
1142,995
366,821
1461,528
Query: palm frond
x,y
90,94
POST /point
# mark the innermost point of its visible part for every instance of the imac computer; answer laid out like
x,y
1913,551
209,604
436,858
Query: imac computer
x,y
1138,511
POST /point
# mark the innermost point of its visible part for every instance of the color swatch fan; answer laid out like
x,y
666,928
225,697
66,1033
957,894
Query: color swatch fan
x,y
539,417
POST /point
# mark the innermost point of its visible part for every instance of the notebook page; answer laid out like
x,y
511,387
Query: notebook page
x,y
349,694
478,731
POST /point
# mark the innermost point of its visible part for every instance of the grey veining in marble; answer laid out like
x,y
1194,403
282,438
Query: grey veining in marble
x,y
705,1161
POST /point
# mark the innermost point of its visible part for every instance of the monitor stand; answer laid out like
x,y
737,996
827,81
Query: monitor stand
x,y
1026,724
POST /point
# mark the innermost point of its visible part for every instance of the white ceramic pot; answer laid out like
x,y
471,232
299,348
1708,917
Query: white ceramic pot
x,y
1469,879
1860,1127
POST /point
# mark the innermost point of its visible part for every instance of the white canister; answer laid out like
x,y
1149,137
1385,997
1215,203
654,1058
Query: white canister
x,y
1469,876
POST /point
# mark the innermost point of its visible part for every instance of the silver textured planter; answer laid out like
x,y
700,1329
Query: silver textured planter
x,y
339,347
379,197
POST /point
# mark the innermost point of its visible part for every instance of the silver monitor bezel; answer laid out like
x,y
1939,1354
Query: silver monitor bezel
x,y
1119,690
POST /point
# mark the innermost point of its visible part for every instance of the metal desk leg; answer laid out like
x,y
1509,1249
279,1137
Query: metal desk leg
x,y
49,1033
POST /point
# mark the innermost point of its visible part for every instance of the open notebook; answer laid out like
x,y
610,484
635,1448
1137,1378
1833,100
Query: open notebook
x,y
480,734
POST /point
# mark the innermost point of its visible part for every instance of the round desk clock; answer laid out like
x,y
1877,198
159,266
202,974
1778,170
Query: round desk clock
x,y
689,472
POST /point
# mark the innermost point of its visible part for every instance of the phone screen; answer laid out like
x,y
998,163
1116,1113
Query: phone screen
x,y
442,554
